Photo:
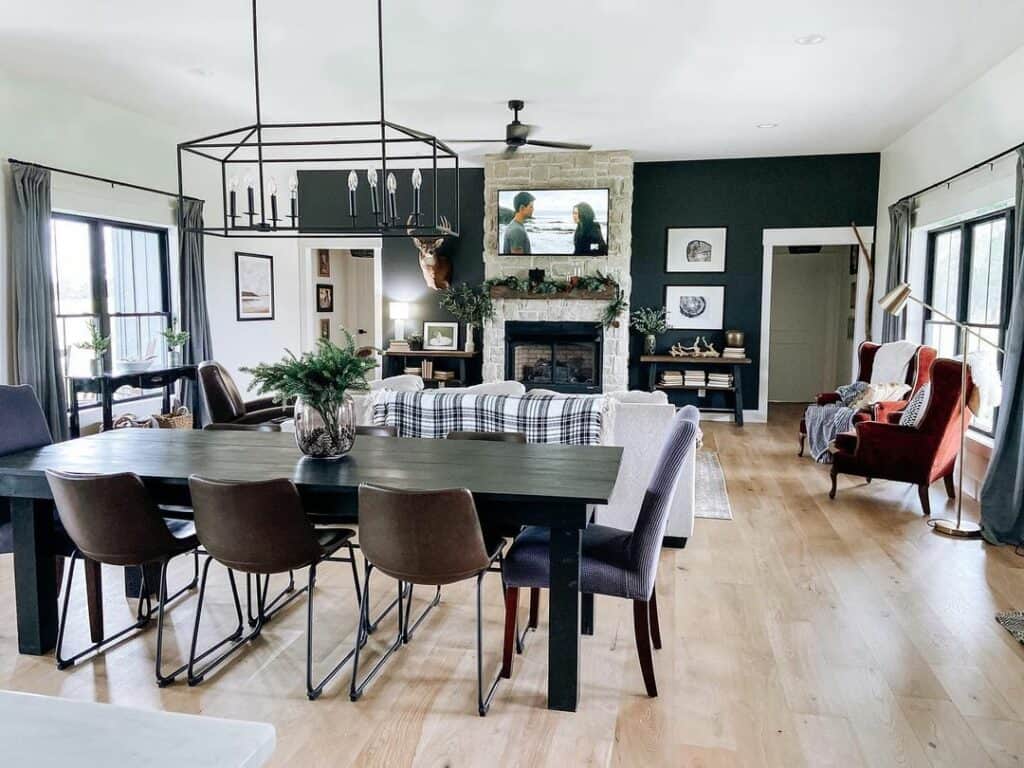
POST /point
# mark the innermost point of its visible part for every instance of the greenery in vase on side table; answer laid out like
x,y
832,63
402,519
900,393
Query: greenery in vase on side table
x,y
98,344
649,321
319,381
468,305
175,340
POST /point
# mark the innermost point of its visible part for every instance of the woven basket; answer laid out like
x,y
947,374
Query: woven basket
x,y
179,419
128,421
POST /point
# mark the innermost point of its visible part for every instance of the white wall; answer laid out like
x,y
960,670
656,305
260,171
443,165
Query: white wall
x,y
985,118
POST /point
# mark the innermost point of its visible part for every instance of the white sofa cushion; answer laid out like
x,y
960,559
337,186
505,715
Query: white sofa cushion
x,y
639,396
404,383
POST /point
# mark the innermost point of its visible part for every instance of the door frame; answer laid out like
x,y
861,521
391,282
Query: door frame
x,y
774,238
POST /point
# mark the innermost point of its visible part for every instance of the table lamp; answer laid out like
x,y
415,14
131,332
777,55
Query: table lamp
x,y
893,303
399,312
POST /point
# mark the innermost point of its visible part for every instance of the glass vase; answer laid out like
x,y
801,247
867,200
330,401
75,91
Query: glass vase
x,y
325,435
650,343
470,341
173,358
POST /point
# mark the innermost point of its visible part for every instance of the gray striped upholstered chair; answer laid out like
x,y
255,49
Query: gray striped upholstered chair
x,y
614,562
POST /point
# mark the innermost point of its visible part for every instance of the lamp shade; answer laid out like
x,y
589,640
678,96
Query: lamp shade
x,y
399,310
894,300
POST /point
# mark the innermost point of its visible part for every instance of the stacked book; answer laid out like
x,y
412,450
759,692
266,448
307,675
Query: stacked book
x,y
672,378
444,375
694,378
719,380
734,352
428,369
411,370
398,345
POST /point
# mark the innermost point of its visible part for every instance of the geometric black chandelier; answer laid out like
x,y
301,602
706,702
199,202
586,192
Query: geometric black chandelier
x,y
366,201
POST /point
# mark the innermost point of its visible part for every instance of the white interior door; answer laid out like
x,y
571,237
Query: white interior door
x,y
359,306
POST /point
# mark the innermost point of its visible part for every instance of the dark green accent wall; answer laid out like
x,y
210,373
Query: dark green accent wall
x,y
747,196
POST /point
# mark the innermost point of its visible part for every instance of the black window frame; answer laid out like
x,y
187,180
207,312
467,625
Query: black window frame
x,y
98,278
963,278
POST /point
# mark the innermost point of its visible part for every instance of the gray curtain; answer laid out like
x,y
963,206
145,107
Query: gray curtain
x,y
894,328
37,360
1002,493
194,316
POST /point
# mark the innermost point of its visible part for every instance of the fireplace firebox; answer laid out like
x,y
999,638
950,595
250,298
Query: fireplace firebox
x,y
562,356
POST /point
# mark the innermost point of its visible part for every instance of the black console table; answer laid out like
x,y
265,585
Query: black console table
x,y
653,362
107,383
467,365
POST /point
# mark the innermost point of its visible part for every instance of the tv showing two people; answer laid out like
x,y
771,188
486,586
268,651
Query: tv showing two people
x,y
553,222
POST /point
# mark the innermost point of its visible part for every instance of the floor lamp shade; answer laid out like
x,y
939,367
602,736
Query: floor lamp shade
x,y
894,301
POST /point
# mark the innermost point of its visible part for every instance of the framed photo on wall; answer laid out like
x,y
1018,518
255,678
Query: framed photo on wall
x,y
254,286
324,297
695,307
442,336
325,328
323,262
695,249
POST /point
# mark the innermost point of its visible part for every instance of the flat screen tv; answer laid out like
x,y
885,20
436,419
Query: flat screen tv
x,y
553,222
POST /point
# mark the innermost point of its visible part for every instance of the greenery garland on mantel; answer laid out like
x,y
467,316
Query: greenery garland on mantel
x,y
595,286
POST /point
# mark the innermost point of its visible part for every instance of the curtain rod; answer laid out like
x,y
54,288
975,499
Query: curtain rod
x,y
957,175
104,180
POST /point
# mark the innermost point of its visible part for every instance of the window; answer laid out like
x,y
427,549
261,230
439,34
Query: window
x,y
969,280
117,276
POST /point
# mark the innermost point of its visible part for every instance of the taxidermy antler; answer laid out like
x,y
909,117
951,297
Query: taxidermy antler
x,y
436,267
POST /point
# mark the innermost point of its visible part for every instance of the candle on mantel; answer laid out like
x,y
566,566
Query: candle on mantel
x,y
273,202
293,193
353,183
417,182
392,199
371,178
232,199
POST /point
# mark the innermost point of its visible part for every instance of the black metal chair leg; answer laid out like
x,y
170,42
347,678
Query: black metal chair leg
x,y
236,639
410,629
483,701
313,691
161,679
357,688
280,601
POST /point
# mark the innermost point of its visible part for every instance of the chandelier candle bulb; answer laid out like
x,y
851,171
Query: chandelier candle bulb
x,y
392,198
417,182
371,179
353,184
233,200
273,202
293,194
250,195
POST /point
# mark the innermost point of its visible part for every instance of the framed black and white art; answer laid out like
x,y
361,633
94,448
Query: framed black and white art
x,y
254,286
695,249
695,307
441,336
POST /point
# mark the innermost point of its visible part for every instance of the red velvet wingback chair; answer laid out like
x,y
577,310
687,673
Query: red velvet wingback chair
x,y
917,376
918,455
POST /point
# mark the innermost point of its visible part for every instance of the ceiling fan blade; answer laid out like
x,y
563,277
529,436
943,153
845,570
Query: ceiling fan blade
x,y
509,151
474,141
557,144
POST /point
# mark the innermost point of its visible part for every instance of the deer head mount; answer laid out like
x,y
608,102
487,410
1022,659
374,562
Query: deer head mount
x,y
436,267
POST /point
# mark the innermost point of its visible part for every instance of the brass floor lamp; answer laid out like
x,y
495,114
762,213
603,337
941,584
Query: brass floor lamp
x,y
893,303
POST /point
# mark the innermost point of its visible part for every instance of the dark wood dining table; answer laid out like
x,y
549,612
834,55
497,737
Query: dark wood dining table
x,y
532,484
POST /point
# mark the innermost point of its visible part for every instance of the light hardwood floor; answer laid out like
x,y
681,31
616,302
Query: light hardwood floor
x,y
804,632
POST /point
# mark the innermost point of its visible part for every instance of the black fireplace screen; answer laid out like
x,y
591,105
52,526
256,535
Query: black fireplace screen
x,y
554,355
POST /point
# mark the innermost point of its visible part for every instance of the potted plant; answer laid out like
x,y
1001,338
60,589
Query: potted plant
x,y
415,341
98,344
468,305
649,322
319,381
175,340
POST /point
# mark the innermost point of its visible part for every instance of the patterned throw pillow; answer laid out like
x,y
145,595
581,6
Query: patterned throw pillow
x,y
914,412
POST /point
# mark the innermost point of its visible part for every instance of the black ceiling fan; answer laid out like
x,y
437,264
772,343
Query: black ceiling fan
x,y
517,134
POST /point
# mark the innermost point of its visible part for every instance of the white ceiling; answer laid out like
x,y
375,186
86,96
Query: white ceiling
x,y
667,79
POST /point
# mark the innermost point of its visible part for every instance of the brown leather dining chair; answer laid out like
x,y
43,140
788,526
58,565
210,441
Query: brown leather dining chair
x,y
113,521
431,538
259,529
223,402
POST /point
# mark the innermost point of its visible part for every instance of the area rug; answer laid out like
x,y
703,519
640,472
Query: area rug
x,y
1012,622
712,496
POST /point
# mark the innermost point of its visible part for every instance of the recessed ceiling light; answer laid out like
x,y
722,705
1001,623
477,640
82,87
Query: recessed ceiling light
x,y
767,125
812,39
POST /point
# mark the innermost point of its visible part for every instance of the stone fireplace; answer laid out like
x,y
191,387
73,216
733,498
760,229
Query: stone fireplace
x,y
563,356
561,170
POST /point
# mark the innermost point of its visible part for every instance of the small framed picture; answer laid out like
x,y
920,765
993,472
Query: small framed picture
x,y
323,263
695,249
695,307
254,286
325,328
443,336
324,297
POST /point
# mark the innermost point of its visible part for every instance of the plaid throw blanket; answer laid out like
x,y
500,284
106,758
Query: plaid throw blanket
x,y
544,419
824,422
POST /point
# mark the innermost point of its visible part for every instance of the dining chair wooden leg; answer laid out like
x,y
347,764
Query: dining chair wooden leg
x,y
511,616
534,608
641,628
653,612
926,504
950,488
94,598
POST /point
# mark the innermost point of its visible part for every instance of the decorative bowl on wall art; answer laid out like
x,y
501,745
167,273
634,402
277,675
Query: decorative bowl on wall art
x,y
695,307
695,250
